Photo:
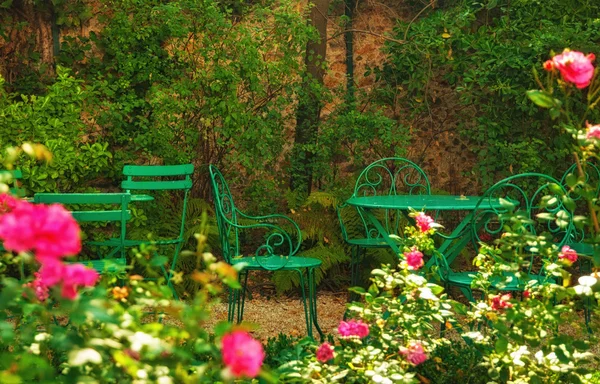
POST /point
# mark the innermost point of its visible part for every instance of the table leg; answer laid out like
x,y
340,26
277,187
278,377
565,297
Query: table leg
x,y
384,234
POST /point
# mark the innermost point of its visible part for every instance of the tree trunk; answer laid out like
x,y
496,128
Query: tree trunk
x,y
349,7
309,103
18,43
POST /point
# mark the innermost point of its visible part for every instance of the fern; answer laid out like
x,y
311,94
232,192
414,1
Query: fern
x,y
330,256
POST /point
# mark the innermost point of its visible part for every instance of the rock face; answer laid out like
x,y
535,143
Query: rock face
x,y
436,146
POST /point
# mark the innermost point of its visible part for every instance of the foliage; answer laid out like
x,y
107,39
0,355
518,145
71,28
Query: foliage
x,y
399,309
104,333
470,62
55,119
454,362
199,85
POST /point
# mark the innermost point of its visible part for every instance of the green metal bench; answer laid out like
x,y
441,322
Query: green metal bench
x,y
384,177
525,191
91,207
276,251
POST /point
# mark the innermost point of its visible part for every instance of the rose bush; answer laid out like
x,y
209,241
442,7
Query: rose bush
x,y
392,331
61,322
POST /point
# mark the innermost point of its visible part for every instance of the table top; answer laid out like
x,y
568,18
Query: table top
x,y
429,202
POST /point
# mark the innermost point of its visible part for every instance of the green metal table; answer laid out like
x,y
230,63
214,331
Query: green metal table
x,y
454,242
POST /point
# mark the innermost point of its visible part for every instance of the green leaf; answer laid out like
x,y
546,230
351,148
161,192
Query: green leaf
x,y
506,203
541,98
501,345
554,113
158,260
571,180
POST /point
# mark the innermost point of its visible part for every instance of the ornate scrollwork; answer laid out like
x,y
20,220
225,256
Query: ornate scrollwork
x,y
278,245
390,176
532,195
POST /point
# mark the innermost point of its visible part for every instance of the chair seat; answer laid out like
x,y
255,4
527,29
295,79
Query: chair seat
x,y
582,248
369,243
277,263
104,265
465,279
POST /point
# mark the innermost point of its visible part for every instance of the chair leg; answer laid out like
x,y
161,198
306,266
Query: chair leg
x,y
354,268
307,317
312,287
172,268
587,313
242,298
231,305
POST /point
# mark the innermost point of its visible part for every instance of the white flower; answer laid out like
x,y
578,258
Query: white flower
x,y
585,285
588,281
164,380
140,340
142,374
417,280
476,336
41,336
34,348
83,356
518,354
539,356
161,370
377,378
427,294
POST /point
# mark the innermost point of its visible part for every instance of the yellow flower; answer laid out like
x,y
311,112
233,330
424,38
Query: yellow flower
x,y
120,293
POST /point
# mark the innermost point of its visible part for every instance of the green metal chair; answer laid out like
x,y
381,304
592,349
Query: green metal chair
x,y
277,238
91,207
581,188
387,176
527,192
161,178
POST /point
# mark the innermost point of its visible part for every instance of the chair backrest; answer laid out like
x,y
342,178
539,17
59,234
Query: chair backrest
x,y
161,178
532,194
84,208
580,189
13,176
226,213
392,176
387,176
122,214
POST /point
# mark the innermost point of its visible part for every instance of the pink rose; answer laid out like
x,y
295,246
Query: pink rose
x,y
242,354
74,276
414,353
69,276
424,222
574,67
48,230
414,259
353,328
325,353
567,254
40,288
501,301
593,132
8,203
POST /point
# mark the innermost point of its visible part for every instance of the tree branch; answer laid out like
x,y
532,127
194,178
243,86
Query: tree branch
x,y
368,33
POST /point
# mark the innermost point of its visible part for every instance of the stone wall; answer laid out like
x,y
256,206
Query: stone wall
x,y
436,145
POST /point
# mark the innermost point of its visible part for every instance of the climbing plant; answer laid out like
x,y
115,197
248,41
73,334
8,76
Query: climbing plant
x,y
473,61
